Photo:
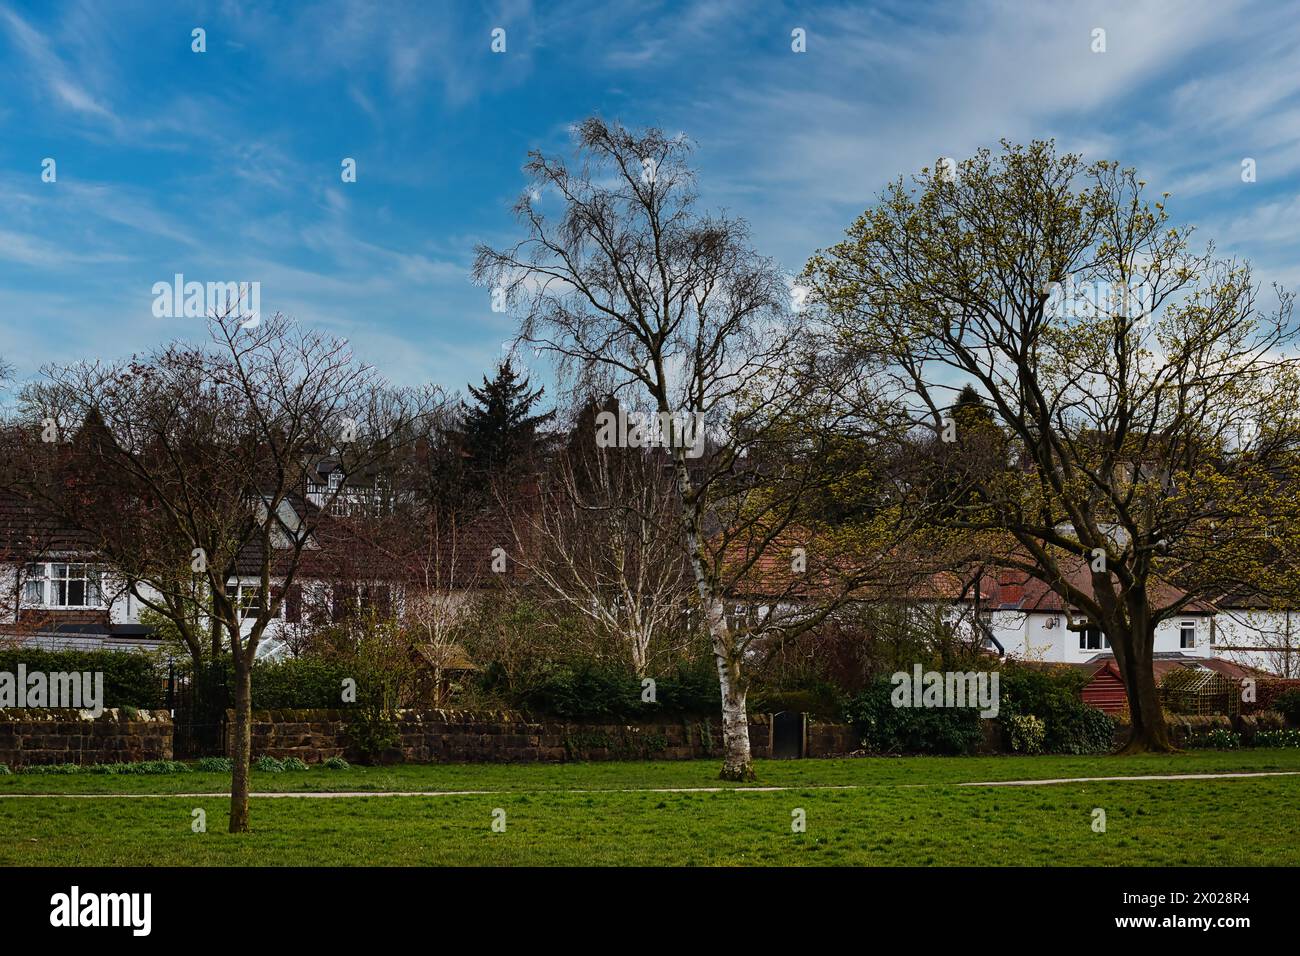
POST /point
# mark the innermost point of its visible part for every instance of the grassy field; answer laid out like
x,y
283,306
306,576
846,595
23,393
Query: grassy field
x,y
871,771
906,811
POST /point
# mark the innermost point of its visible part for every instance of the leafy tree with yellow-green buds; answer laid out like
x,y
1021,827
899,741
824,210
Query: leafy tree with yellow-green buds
x,y
1143,396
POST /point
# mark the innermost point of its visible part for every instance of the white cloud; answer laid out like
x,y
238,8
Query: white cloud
x,y
48,70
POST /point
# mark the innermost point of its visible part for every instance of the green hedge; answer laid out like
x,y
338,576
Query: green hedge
x,y
131,679
1061,721
592,693
820,700
292,684
885,728
299,683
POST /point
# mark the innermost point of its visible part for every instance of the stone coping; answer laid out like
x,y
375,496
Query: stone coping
x,y
53,714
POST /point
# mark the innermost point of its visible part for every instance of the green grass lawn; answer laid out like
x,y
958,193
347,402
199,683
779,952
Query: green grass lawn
x,y
889,821
869,771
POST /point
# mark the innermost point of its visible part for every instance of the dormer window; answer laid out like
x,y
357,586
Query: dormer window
x,y
62,586
336,480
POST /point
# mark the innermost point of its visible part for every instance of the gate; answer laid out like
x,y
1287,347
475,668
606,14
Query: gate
x,y
787,735
198,704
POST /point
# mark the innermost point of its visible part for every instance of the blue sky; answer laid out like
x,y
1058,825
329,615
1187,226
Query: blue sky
x,y
225,165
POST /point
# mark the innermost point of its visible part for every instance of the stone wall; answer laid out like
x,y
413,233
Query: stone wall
x,y
54,735
440,736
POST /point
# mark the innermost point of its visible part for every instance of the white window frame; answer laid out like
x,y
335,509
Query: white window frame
x,y
91,576
1103,642
241,595
38,575
1183,628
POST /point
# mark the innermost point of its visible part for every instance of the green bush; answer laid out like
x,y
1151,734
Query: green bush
x,y
1287,704
131,679
1040,691
885,728
293,763
686,692
4,769
52,769
336,763
299,683
268,764
1053,696
373,732
292,684
1081,730
154,767
820,700
213,764
145,767
1027,733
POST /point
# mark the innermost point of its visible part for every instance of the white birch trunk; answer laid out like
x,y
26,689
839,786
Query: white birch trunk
x,y
737,764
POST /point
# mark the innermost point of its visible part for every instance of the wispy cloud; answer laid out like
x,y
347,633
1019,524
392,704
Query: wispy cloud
x,y
50,72
226,165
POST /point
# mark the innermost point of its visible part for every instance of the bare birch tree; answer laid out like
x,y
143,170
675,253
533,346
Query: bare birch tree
x,y
641,296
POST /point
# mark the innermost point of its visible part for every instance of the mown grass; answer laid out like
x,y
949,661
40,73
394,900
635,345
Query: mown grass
x,y
908,811
1174,823
869,771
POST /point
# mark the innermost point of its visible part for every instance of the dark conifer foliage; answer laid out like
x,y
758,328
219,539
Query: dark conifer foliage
x,y
499,429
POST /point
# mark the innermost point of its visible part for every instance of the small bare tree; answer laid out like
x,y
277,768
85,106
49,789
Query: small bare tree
x,y
603,542
198,458
428,549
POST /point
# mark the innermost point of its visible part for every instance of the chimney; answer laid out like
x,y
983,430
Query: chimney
x,y
1011,587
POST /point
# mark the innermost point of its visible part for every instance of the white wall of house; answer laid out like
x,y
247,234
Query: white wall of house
x,y
1265,639
1044,636
63,583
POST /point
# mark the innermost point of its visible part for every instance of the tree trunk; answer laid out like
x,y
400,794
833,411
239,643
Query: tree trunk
x,y
736,762
1148,732
243,745
640,643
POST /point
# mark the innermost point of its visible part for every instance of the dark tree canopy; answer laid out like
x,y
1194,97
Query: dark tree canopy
x,y
499,429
